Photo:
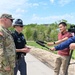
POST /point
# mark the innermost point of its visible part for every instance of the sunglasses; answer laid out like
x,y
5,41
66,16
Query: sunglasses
x,y
11,20
21,26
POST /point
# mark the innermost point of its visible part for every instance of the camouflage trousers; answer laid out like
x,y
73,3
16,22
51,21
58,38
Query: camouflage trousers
x,y
7,72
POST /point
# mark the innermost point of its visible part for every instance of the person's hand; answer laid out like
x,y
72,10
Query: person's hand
x,y
52,49
50,43
28,47
25,50
7,68
72,46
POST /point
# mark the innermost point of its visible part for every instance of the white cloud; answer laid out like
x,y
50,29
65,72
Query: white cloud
x,y
64,2
35,4
35,17
11,5
52,1
50,19
19,10
61,2
43,3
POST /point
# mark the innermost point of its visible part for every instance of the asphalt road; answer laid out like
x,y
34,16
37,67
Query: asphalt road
x,y
35,67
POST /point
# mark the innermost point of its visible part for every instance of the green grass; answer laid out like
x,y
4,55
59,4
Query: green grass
x,y
73,55
32,43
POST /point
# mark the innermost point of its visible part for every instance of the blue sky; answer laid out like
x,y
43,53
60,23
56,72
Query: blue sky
x,y
40,11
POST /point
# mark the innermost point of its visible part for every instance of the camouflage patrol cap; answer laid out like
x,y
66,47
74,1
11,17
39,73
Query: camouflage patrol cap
x,y
6,16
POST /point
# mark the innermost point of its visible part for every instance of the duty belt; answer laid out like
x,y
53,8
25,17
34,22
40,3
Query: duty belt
x,y
22,55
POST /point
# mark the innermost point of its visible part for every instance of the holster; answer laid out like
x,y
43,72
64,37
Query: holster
x,y
20,56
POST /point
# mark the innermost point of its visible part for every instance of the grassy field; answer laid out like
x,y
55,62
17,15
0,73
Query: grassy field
x,y
32,43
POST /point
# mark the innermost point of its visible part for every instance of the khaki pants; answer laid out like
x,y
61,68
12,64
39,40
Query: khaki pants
x,y
60,61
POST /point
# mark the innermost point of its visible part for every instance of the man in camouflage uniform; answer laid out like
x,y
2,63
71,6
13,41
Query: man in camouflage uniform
x,y
7,46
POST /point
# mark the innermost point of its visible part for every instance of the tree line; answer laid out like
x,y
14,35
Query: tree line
x,y
44,32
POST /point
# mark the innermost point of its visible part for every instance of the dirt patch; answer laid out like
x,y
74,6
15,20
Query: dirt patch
x,y
48,58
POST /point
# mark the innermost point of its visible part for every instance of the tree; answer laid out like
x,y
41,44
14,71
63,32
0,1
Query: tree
x,y
35,35
28,32
53,35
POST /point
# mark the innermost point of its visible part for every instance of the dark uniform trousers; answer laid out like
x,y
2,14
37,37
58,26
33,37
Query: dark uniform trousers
x,y
21,66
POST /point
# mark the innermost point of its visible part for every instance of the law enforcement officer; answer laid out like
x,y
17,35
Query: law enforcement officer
x,y
7,46
21,48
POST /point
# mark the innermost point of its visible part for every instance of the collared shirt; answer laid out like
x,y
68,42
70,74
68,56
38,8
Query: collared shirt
x,y
64,52
20,41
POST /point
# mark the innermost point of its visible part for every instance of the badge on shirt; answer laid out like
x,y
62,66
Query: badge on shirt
x,y
22,37
19,40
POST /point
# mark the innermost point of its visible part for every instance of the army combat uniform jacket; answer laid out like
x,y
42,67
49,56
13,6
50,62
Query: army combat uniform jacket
x,y
7,52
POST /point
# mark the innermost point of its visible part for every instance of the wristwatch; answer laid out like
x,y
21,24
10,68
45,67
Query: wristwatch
x,y
54,42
